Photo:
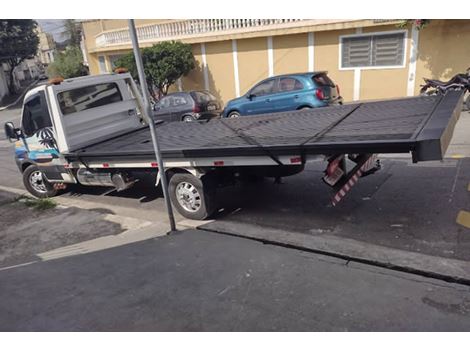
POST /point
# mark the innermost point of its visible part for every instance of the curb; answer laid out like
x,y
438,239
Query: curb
x,y
20,97
446,269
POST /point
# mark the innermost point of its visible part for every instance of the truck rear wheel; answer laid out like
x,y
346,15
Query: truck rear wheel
x,y
36,183
191,197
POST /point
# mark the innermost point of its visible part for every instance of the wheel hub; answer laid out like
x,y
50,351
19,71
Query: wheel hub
x,y
37,182
188,197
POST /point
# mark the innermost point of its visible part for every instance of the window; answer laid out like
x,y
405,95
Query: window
x,y
266,87
113,59
85,98
179,100
203,97
373,50
35,116
323,80
287,84
102,64
165,102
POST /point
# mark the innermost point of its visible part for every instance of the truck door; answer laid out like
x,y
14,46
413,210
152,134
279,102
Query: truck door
x,y
38,134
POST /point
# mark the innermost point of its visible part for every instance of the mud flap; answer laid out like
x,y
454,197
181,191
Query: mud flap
x,y
366,164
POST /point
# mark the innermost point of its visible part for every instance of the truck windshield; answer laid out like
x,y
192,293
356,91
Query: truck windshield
x,y
84,98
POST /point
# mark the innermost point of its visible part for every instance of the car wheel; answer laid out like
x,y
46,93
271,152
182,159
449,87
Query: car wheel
x,y
234,114
191,197
36,183
188,118
305,108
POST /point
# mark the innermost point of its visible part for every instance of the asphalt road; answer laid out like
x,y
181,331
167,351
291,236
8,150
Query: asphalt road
x,y
200,281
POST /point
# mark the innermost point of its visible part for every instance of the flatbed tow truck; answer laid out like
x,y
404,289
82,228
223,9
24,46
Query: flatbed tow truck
x,y
91,131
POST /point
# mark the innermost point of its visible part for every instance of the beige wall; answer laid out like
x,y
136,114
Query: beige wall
x,y
252,62
195,79
220,69
444,50
327,59
290,53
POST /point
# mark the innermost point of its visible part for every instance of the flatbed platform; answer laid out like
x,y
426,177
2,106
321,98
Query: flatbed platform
x,y
420,125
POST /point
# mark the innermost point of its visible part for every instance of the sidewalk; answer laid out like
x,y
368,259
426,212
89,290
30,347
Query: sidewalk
x,y
31,235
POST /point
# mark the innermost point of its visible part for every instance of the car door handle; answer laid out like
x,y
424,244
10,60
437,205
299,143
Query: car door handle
x,y
296,96
268,100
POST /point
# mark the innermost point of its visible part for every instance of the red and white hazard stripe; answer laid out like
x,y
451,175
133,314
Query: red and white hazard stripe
x,y
368,164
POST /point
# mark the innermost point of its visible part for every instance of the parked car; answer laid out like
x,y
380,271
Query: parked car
x,y
284,93
188,106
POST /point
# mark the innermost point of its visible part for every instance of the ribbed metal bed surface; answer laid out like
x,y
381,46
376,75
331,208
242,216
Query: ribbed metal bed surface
x,y
422,125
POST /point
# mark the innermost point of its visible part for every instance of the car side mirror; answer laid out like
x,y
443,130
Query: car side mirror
x,y
11,132
251,96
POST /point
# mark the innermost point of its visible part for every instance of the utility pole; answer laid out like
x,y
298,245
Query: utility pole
x,y
148,112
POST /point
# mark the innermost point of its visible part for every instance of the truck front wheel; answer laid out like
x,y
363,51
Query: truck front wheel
x,y
36,183
191,197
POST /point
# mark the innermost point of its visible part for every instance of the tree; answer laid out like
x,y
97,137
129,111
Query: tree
x,y
164,63
68,64
73,32
18,42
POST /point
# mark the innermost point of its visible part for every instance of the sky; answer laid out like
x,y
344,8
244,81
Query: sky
x,y
55,27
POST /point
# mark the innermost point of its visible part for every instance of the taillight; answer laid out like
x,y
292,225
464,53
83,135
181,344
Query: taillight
x,y
196,108
319,94
337,90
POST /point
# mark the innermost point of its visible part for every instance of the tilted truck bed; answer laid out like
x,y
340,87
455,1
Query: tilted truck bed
x,y
421,125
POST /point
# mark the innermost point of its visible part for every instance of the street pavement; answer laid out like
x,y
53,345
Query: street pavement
x,y
200,281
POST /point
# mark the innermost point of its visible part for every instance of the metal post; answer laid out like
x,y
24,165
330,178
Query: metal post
x,y
148,111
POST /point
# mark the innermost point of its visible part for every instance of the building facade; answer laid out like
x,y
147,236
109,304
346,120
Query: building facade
x,y
47,47
368,59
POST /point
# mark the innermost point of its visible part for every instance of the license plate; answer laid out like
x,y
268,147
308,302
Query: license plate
x,y
211,107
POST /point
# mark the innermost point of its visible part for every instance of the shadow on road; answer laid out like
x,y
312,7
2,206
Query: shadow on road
x,y
404,206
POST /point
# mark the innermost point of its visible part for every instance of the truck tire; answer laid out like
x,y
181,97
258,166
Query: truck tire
x,y
191,197
36,184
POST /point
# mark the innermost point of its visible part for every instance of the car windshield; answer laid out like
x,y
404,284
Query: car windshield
x,y
322,79
202,97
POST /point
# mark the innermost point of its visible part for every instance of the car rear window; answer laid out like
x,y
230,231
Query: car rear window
x,y
85,98
322,79
202,97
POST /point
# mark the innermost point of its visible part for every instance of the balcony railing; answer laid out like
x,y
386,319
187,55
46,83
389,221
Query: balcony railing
x,y
180,29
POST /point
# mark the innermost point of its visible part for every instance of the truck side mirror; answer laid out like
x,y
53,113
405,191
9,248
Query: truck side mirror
x,y
11,132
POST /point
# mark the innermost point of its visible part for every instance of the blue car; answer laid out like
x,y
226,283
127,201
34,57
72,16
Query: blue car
x,y
284,93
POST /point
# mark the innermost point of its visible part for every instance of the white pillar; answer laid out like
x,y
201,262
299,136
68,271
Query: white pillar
x,y
311,52
204,66
270,56
410,91
235,67
357,77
